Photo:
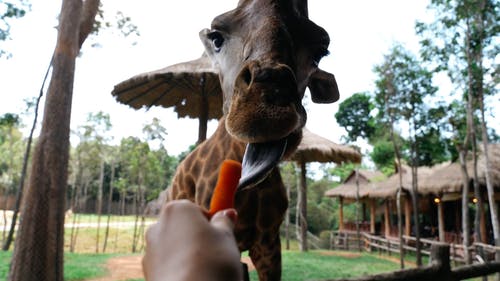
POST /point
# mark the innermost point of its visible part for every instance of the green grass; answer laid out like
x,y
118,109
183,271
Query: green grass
x,y
326,264
76,266
299,266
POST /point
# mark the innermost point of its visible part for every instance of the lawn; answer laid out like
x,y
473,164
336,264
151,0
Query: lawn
x,y
76,266
297,265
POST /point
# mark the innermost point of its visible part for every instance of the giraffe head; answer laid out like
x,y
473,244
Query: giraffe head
x,y
267,53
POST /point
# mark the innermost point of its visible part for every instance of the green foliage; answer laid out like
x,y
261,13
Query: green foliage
x,y
383,155
462,40
354,114
10,9
343,171
119,22
319,208
11,151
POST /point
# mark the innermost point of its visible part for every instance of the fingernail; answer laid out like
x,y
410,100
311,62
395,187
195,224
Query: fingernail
x,y
231,214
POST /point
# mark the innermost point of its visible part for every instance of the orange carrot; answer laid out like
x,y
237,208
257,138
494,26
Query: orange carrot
x,y
225,189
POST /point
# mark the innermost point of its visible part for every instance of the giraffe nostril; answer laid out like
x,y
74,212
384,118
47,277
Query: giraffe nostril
x,y
247,76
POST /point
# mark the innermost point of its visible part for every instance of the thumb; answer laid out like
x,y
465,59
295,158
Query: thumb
x,y
225,220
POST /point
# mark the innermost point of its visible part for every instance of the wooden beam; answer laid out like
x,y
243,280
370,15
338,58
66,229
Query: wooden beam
x,y
341,214
372,215
407,215
441,221
386,219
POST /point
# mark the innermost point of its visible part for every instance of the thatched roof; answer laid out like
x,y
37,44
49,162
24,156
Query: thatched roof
x,y
367,181
314,148
447,178
440,179
390,186
187,86
349,191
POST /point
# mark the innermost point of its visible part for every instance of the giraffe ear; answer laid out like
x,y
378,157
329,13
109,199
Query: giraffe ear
x,y
323,87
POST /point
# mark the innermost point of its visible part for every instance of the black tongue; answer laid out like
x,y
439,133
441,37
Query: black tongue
x,y
259,160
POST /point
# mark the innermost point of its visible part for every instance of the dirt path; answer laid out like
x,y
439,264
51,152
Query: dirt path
x,y
122,268
129,267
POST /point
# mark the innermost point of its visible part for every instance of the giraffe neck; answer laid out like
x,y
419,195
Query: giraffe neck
x,y
197,174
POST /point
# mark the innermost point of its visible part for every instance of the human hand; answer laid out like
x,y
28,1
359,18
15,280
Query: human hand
x,y
185,245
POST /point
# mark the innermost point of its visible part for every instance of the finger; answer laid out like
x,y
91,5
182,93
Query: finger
x,y
225,220
152,233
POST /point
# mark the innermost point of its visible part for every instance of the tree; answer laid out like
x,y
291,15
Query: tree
x,y
95,130
38,253
10,144
8,10
354,115
413,85
467,51
383,156
388,96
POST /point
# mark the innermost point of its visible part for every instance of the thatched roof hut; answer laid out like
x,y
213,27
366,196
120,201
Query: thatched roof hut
x,y
390,186
315,148
348,191
447,178
367,181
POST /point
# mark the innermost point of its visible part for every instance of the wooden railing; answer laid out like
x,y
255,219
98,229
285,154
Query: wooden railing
x,y
439,269
349,240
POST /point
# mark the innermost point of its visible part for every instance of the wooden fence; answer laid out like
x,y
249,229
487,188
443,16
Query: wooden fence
x,y
440,255
439,269
349,240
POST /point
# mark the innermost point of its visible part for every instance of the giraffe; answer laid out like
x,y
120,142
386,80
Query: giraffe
x,y
267,53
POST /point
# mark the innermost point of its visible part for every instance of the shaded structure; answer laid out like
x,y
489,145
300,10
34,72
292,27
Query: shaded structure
x,y
349,192
314,148
387,191
192,88
440,195
444,188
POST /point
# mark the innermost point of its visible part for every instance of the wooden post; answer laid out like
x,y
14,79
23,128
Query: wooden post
x,y
482,222
407,216
372,216
341,214
440,256
386,219
303,207
441,221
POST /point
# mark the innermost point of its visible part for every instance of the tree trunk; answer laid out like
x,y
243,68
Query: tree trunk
x,y
75,209
287,220
400,172
302,196
414,189
484,133
38,255
110,201
358,232
465,206
136,222
99,205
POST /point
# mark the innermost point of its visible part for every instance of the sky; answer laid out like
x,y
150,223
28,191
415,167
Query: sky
x,y
361,31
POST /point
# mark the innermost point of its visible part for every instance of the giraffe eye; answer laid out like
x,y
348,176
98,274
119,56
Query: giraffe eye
x,y
316,58
217,40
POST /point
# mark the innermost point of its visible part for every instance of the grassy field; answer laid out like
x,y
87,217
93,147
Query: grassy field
x,y
119,238
296,265
86,264
76,266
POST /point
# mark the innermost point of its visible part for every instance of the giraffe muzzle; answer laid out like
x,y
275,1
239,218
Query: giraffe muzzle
x,y
259,160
